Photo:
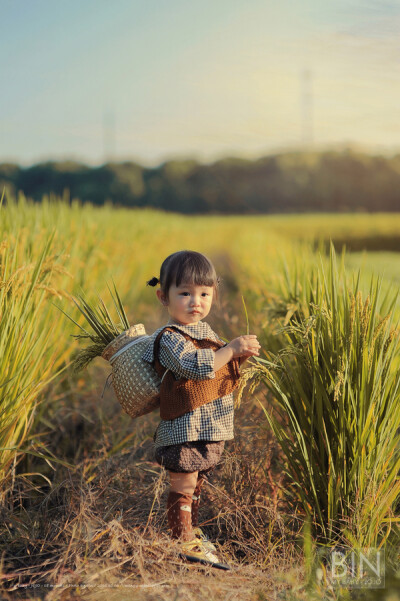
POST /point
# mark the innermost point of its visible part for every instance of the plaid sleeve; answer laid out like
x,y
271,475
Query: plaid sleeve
x,y
184,359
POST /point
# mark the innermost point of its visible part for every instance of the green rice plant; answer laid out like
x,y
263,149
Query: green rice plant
x,y
103,328
336,410
28,361
99,243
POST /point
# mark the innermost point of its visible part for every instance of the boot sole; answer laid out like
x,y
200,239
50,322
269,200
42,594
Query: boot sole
x,y
205,562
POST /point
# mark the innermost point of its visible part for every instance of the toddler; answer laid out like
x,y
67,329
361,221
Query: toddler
x,y
199,373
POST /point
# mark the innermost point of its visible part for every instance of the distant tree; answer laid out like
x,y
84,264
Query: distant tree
x,y
282,183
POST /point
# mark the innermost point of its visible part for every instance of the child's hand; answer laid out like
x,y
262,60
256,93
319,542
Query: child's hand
x,y
245,346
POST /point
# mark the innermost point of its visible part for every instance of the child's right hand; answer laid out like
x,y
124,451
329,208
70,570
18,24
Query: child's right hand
x,y
245,346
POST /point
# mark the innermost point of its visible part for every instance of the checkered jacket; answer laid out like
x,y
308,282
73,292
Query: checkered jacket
x,y
212,421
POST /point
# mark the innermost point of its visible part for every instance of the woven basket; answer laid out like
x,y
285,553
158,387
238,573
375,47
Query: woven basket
x,y
135,382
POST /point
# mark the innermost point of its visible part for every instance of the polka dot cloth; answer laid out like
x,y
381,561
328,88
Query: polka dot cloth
x,y
195,456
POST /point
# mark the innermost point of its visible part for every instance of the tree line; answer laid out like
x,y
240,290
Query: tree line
x,y
329,181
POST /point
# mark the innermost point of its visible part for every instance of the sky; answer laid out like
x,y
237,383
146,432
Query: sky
x,y
153,80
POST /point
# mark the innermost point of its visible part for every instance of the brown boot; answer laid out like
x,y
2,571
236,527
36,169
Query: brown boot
x,y
196,501
179,508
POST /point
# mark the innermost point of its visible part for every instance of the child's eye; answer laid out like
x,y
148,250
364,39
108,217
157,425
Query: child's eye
x,y
184,293
205,294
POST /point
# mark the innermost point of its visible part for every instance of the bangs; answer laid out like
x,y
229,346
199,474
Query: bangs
x,y
188,267
200,273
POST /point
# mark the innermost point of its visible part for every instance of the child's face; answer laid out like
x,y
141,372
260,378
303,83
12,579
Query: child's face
x,y
188,303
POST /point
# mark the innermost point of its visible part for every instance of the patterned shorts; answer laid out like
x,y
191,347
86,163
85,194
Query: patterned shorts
x,y
194,456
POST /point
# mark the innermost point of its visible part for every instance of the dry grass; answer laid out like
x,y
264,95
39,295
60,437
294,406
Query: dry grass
x,y
96,539
100,530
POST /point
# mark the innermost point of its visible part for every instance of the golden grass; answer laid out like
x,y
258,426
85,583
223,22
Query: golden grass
x,y
104,521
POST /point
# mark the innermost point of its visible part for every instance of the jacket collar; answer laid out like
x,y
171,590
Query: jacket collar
x,y
199,331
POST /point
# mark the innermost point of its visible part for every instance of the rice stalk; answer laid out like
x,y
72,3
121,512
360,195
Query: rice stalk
x,y
103,329
336,410
26,326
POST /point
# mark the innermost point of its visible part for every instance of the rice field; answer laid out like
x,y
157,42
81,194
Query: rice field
x,y
316,456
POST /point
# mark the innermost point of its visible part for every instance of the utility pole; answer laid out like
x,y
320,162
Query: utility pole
x,y
109,135
307,108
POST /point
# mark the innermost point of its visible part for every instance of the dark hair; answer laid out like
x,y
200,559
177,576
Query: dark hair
x,y
189,267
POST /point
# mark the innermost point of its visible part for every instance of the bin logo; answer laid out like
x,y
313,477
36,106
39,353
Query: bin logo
x,y
354,568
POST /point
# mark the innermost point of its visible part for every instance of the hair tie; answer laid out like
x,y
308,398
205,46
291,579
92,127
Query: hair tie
x,y
153,282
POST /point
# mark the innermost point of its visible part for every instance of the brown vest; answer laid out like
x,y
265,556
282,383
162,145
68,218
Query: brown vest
x,y
178,397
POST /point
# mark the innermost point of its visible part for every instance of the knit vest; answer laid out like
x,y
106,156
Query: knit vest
x,y
178,397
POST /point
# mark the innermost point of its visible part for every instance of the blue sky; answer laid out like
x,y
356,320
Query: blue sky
x,y
156,79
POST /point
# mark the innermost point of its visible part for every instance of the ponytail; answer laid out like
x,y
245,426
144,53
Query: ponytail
x,y
153,282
